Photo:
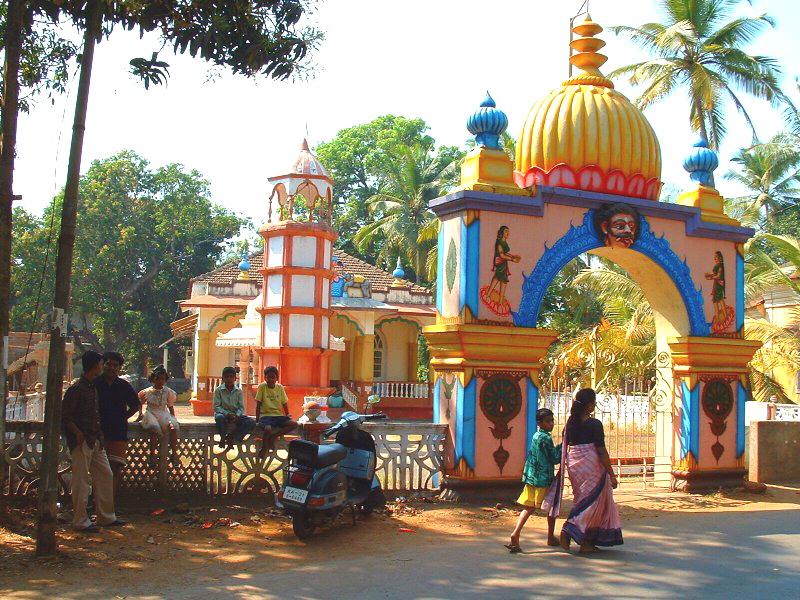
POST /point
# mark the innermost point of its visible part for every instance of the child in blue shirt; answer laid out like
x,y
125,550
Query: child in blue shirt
x,y
537,475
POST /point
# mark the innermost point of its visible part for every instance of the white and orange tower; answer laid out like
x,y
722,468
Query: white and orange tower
x,y
297,272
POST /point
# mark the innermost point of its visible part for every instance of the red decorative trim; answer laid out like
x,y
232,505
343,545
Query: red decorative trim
x,y
501,310
593,179
717,327
294,310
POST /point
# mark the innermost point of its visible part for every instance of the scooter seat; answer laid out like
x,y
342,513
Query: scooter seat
x,y
330,454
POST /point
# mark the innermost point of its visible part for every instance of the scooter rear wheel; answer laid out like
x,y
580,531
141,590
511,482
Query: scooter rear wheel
x,y
303,526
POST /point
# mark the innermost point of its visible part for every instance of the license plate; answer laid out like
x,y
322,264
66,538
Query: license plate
x,y
295,494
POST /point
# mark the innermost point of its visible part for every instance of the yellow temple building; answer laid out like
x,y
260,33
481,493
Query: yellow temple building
x,y
371,320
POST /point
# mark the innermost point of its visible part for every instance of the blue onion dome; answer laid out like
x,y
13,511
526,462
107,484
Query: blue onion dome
x,y
487,123
398,272
244,265
701,163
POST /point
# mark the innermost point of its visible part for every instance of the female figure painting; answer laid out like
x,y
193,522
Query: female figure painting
x,y
723,314
494,295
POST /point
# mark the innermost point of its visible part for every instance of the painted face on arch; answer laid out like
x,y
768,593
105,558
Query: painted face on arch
x,y
620,230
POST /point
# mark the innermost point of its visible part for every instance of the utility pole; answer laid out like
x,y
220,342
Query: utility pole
x,y
47,522
8,138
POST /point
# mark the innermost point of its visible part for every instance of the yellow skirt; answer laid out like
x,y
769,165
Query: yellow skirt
x,y
532,496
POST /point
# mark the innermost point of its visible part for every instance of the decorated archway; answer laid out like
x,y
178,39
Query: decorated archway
x,y
586,179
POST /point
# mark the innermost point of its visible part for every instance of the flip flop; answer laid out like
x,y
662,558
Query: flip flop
x,y
513,549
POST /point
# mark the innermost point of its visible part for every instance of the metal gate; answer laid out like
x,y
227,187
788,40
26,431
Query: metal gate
x,y
628,412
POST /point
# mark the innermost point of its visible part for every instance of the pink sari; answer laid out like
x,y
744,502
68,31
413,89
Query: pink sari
x,y
594,518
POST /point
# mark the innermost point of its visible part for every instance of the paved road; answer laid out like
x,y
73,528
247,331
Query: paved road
x,y
726,555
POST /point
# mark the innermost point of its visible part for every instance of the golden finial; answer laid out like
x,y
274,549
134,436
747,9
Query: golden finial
x,y
586,57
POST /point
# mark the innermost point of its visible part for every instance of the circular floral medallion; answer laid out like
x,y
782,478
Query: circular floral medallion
x,y
501,399
717,399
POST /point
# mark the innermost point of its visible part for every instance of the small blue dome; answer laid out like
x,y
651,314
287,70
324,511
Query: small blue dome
x,y
487,123
701,162
398,272
244,265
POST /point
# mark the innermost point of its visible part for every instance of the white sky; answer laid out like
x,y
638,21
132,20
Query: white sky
x,y
432,59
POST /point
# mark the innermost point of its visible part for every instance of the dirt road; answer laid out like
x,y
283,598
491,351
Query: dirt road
x,y
717,546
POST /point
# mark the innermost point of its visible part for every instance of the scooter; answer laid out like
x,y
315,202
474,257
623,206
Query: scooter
x,y
322,480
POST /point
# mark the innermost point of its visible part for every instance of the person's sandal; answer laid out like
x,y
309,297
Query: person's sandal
x,y
117,523
513,548
564,540
90,529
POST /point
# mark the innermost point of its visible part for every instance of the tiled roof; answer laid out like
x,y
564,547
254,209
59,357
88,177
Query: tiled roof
x,y
379,279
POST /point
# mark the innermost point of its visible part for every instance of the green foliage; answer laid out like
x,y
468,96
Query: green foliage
x,y
508,144
569,307
249,37
141,235
362,161
44,61
150,71
771,172
249,241
611,346
413,176
28,249
698,49
423,359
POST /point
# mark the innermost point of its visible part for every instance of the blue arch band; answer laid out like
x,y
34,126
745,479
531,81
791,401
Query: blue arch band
x,y
581,239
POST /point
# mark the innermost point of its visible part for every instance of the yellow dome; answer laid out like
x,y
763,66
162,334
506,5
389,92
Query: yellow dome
x,y
586,135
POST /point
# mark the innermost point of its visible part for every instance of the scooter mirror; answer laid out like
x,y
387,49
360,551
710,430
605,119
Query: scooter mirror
x,y
373,399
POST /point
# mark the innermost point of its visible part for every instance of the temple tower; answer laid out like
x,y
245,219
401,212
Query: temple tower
x,y
297,272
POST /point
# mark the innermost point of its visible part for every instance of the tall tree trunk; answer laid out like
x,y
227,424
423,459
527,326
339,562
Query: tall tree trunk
x,y
48,484
8,142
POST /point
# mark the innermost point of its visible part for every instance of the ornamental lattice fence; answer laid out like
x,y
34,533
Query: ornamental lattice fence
x,y
410,457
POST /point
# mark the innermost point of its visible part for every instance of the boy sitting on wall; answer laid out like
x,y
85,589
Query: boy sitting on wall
x,y
272,410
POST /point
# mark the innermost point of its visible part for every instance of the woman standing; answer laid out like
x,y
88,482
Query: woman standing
x,y
594,519
494,295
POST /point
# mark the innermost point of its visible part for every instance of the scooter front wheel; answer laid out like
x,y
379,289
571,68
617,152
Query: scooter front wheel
x,y
303,526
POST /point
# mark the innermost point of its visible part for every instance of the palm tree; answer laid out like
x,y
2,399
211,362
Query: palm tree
x,y
772,174
507,142
697,48
413,178
625,338
780,348
623,343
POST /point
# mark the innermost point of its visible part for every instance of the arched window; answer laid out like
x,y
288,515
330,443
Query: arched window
x,y
377,358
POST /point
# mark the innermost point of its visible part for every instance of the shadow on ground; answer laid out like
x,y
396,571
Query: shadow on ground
x,y
676,545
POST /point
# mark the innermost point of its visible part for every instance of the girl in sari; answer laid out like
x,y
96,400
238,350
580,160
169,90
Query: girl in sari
x,y
594,519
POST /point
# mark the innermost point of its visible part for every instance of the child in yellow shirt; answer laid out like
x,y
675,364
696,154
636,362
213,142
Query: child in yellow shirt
x,y
272,410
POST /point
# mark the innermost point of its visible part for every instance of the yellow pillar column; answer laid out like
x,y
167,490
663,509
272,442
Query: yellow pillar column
x,y
363,357
486,391
711,389
344,364
413,348
202,359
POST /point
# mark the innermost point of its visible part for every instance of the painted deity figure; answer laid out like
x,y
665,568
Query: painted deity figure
x,y
356,281
494,295
723,314
337,285
617,225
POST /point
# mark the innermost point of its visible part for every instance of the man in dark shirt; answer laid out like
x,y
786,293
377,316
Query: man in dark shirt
x,y
118,402
81,420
